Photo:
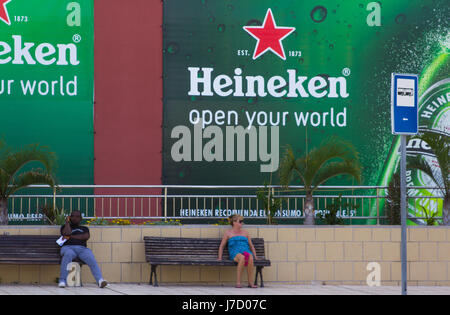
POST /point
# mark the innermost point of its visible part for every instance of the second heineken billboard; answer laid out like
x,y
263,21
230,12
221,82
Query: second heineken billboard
x,y
243,79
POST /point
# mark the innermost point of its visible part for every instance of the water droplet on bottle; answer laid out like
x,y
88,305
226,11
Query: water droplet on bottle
x,y
318,14
184,172
230,7
253,22
211,19
400,19
221,28
331,46
173,48
252,100
210,49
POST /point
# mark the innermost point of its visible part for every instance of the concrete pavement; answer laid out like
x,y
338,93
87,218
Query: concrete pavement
x,y
270,289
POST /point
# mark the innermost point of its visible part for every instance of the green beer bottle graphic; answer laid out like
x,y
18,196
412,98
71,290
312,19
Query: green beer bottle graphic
x,y
434,116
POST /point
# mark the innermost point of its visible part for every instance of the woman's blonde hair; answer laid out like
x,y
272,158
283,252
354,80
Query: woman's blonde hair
x,y
234,218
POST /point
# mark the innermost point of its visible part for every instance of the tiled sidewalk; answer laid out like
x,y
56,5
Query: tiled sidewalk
x,y
271,289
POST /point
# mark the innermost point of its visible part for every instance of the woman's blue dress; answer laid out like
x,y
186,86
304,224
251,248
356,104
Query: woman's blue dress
x,y
238,245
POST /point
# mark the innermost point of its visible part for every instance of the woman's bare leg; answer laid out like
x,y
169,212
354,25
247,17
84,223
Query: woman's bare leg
x,y
250,272
240,259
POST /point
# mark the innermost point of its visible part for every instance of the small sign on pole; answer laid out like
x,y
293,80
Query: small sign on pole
x,y
404,120
404,104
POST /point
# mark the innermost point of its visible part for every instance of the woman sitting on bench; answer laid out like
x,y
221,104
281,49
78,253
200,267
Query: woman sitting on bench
x,y
240,248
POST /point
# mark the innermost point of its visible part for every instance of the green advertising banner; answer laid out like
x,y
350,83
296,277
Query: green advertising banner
x,y
243,79
46,81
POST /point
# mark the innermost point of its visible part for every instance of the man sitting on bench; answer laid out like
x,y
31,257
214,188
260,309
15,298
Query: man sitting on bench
x,y
76,237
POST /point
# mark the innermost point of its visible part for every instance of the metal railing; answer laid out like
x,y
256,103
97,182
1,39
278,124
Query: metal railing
x,y
165,202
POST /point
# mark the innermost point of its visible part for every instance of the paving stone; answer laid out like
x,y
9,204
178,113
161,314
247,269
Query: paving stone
x,y
270,289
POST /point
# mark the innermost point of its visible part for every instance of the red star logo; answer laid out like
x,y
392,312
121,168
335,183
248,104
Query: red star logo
x,y
3,12
269,36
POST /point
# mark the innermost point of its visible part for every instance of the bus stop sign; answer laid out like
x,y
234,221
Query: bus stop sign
x,y
404,104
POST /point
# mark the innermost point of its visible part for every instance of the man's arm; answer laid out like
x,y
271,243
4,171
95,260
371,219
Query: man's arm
x,y
81,237
67,230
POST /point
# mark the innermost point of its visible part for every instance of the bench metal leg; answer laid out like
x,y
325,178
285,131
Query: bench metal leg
x,y
153,272
259,271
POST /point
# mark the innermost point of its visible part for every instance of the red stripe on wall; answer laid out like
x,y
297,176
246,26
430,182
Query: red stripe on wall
x,y
128,95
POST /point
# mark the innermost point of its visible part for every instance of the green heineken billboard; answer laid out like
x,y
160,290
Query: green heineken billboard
x,y
46,83
242,79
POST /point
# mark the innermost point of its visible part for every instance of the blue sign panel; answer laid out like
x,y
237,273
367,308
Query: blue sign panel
x,y
404,104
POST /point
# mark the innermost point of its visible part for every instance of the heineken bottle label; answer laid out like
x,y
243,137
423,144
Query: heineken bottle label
x,y
434,116
434,111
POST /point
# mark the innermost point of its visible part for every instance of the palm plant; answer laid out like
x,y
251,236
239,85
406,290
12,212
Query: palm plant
x,y
392,207
332,158
269,202
13,177
440,145
53,215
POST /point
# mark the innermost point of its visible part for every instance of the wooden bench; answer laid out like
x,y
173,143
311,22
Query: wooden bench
x,y
31,250
195,251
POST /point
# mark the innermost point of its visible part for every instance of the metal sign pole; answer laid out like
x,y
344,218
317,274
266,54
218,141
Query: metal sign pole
x,y
404,121
403,213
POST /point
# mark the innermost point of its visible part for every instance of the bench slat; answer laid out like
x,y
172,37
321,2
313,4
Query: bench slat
x,y
29,249
164,261
57,260
29,262
213,254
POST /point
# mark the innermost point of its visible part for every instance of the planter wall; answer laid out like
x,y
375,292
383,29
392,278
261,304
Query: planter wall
x,y
299,254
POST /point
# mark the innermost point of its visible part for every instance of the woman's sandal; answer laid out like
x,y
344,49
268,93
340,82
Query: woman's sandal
x,y
238,286
252,286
